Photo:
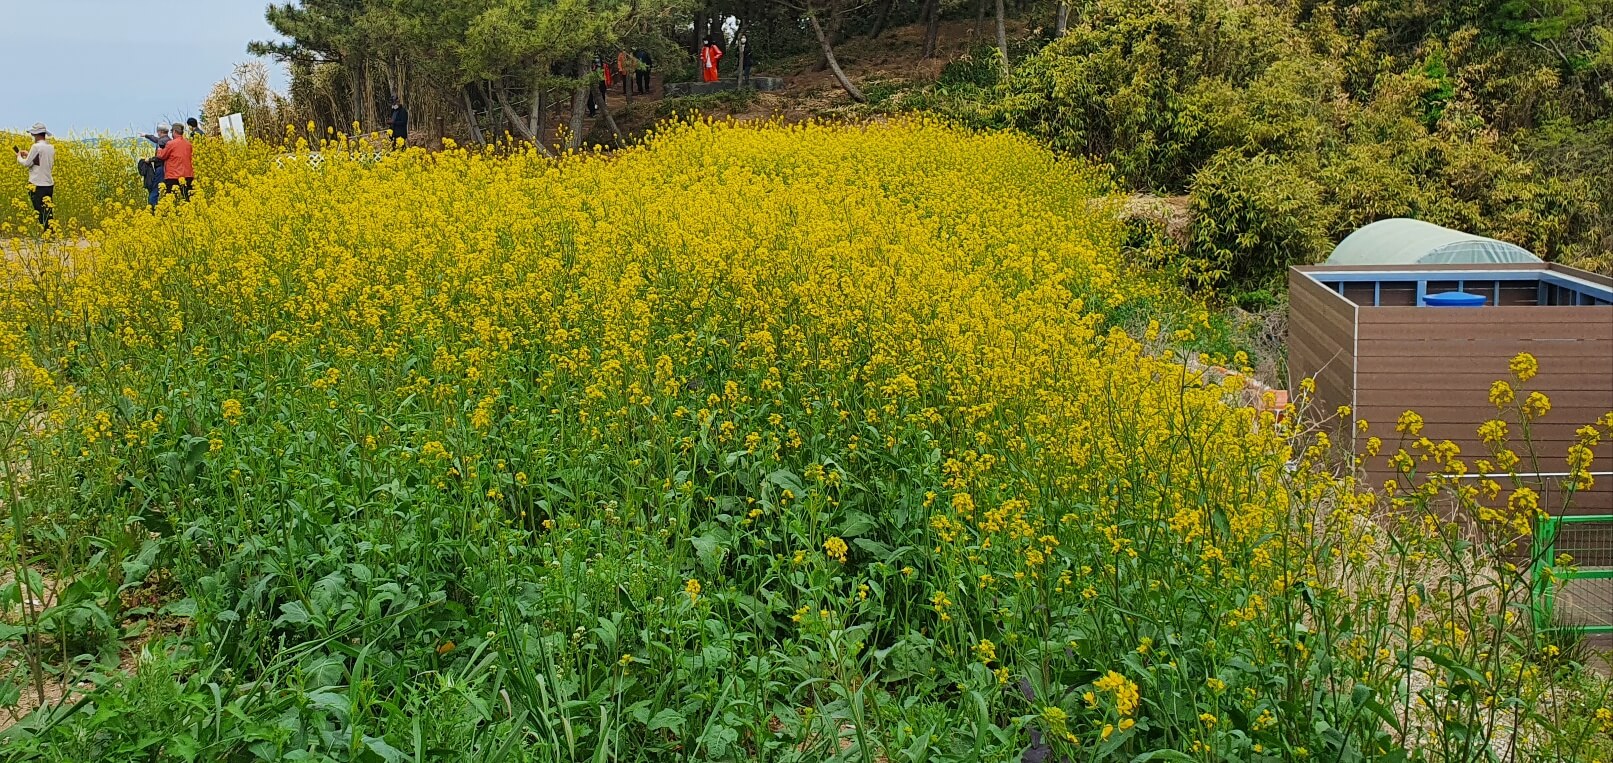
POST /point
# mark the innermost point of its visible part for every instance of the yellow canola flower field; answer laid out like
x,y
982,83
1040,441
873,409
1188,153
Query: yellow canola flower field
x,y
744,443
92,177
96,178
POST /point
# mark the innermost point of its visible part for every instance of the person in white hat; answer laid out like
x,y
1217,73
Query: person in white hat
x,y
40,159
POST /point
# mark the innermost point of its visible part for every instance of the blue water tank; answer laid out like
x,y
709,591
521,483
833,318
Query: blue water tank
x,y
1455,299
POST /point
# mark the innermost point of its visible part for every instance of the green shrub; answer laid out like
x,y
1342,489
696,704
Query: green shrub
x,y
720,102
1253,218
981,67
1446,114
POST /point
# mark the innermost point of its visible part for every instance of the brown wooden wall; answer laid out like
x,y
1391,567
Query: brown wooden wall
x,y
1321,341
1441,362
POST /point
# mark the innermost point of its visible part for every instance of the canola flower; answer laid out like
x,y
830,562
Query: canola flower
x,y
549,401
1123,690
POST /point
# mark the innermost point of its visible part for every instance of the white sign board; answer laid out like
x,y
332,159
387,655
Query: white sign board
x,y
231,127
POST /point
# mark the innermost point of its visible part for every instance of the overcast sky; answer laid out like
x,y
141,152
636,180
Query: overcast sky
x,y
97,66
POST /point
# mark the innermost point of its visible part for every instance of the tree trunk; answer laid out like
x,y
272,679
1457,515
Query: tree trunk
x,y
371,118
835,16
829,56
980,18
701,29
356,86
610,121
401,90
518,121
470,116
335,108
739,36
387,73
529,130
579,104
1002,35
882,19
535,110
1061,23
932,33
493,112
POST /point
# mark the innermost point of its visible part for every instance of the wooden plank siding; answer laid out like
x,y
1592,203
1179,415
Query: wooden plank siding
x,y
1321,340
1440,362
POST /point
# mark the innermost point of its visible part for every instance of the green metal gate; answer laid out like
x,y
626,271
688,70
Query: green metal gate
x,y
1587,587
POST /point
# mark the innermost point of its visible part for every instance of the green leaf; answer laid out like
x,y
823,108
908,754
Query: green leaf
x,y
718,739
666,719
919,750
136,569
1115,742
1170,755
331,701
185,607
874,548
709,549
1364,696
856,524
387,752
1460,671
293,613
788,480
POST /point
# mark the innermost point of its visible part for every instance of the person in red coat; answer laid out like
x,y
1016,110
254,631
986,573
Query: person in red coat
x,y
179,172
710,54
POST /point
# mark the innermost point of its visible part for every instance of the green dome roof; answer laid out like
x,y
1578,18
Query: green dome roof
x,y
1400,241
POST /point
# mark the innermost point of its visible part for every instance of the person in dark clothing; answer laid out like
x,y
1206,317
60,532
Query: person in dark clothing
x,y
152,171
747,60
641,77
193,127
600,88
400,121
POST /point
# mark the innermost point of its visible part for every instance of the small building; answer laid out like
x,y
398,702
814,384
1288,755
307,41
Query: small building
x,y
1366,331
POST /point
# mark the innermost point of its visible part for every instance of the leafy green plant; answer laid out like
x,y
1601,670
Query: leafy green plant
x,y
720,102
1254,218
980,68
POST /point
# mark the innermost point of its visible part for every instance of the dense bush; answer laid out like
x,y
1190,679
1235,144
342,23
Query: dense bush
x,y
1344,114
1253,217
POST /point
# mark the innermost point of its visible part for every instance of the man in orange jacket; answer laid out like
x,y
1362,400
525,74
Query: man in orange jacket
x,y
178,170
710,54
